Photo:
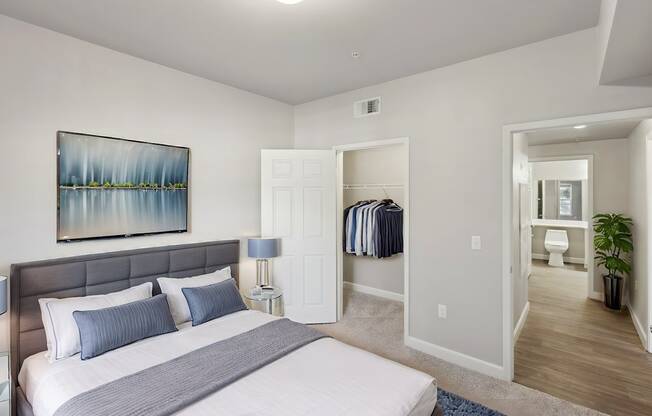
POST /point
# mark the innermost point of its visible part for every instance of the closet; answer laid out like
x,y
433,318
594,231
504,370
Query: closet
x,y
374,187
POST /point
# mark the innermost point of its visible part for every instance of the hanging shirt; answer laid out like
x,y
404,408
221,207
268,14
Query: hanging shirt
x,y
366,212
372,229
351,226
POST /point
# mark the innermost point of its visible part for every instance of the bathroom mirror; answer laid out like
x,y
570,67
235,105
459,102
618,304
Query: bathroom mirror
x,y
559,200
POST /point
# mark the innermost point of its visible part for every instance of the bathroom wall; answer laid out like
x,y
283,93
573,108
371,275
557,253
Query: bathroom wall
x,y
570,170
576,245
549,171
610,174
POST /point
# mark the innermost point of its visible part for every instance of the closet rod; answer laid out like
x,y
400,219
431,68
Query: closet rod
x,y
373,186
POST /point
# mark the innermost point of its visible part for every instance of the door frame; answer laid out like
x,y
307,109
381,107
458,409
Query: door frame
x,y
507,212
589,254
339,190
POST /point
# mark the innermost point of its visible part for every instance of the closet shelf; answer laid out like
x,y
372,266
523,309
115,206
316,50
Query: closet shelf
x,y
373,186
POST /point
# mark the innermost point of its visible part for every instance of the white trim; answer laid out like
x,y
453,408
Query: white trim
x,y
455,357
356,287
507,281
521,322
574,260
640,330
339,150
371,144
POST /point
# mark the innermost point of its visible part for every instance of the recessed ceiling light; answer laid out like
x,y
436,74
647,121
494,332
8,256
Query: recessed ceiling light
x,y
289,1
581,126
355,54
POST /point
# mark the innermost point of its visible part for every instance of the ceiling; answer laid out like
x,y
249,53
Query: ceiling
x,y
626,32
600,131
298,53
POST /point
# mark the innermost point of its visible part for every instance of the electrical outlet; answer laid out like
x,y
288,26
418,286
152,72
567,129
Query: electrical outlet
x,y
476,242
442,311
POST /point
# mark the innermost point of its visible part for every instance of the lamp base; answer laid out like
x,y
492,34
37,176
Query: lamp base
x,y
262,273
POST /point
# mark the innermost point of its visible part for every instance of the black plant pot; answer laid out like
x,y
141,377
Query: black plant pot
x,y
613,291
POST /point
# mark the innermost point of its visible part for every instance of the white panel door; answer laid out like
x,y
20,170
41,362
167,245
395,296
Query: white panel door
x,y
298,206
525,230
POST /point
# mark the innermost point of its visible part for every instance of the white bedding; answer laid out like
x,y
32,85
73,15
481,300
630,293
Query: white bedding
x,y
325,377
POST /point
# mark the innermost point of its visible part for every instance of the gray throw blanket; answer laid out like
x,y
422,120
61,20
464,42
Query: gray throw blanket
x,y
171,386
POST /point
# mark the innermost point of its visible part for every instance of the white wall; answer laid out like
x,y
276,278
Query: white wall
x,y
454,117
565,170
576,244
610,175
375,165
575,170
639,210
50,82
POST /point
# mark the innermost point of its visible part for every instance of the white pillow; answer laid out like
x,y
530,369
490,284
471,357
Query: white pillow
x,y
61,330
177,301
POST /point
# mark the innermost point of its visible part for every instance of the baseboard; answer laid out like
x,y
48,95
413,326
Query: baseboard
x,y
374,291
573,260
640,329
455,357
521,322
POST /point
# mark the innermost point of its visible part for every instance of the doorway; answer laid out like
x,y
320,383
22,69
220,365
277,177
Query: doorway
x,y
380,186
570,340
302,204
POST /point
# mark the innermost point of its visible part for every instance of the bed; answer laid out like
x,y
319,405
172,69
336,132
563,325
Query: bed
x,y
324,377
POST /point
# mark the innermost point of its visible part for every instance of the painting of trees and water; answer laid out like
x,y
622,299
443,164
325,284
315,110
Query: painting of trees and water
x,y
112,187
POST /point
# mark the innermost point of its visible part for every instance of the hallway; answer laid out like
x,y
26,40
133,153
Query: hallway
x,y
575,349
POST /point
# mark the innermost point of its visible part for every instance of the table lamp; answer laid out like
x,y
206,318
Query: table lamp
x,y
263,249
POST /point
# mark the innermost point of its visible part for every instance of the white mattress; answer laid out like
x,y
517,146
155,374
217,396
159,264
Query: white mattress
x,y
325,377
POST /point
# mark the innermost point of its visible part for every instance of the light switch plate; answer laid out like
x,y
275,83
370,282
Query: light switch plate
x,y
442,311
476,242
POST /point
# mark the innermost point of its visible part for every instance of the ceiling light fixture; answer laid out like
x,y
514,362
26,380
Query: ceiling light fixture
x,y
289,1
581,126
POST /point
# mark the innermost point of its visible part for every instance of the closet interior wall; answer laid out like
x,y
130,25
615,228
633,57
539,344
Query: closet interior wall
x,y
380,165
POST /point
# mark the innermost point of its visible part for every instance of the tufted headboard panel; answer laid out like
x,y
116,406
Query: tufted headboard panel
x,y
98,274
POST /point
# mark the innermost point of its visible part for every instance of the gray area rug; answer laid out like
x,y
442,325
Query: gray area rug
x,y
450,404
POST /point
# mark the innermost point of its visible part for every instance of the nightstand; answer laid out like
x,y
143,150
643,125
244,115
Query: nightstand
x,y
267,299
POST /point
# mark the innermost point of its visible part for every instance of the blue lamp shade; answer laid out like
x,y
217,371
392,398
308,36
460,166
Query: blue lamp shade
x,y
263,248
3,294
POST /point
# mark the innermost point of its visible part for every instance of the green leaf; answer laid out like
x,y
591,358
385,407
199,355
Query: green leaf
x,y
612,242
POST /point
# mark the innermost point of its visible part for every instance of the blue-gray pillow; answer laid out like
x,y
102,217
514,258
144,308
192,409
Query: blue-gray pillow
x,y
103,330
213,301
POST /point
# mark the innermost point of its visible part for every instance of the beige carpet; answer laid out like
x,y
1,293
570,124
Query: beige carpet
x,y
376,325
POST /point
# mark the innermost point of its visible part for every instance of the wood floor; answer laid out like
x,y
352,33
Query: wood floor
x,y
575,349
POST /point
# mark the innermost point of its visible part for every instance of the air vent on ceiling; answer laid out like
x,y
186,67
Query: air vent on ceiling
x,y
367,107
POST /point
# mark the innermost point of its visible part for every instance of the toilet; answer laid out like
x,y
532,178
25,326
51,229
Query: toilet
x,y
556,243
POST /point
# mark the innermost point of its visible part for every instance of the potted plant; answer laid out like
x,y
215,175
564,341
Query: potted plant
x,y
613,243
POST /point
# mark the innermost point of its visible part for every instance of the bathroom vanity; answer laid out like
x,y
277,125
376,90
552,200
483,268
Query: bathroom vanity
x,y
560,224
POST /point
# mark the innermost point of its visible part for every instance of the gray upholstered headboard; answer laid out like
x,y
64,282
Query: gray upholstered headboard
x,y
97,274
